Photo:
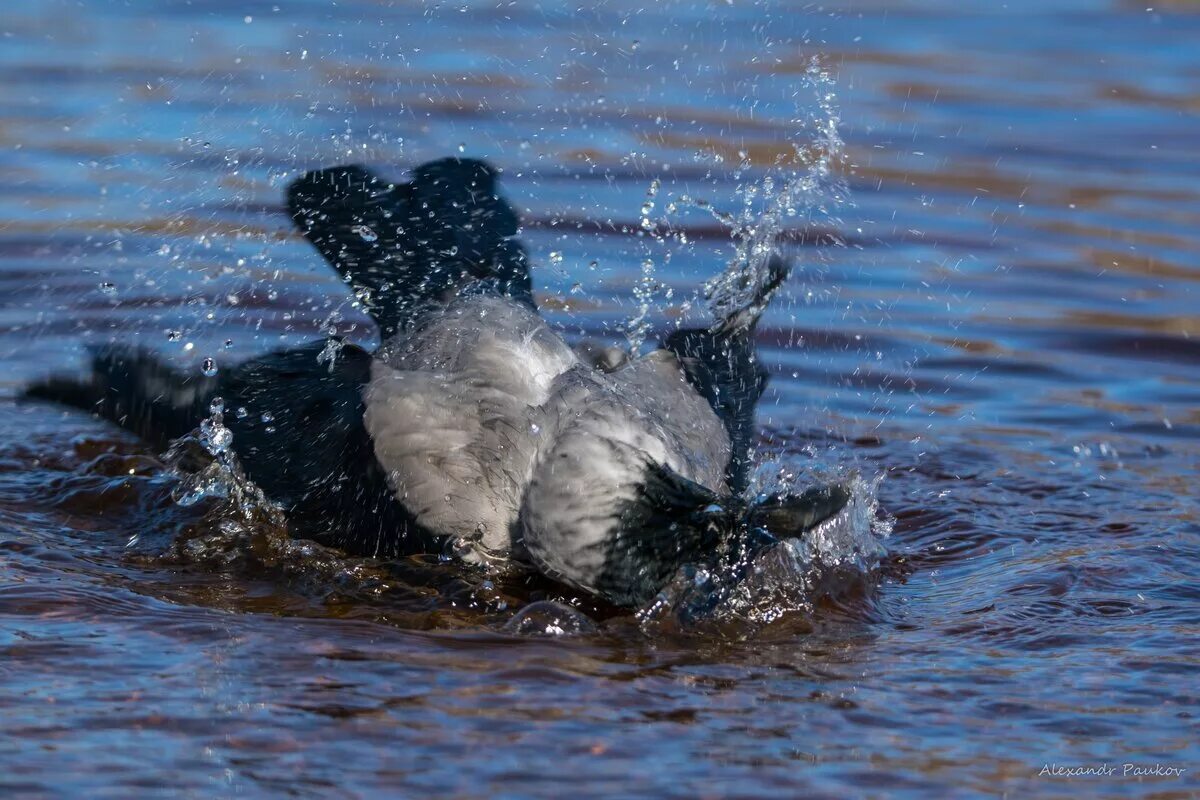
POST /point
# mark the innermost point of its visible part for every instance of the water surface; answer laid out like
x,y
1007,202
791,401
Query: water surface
x,y
998,315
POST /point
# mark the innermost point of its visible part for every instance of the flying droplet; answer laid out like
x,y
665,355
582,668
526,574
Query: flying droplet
x,y
215,436
366,233
208,366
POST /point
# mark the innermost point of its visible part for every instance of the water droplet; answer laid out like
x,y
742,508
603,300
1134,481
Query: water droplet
x,y
366,233
267,416
329,354
174,336
215,437
108,287
209,366
534,428
216,405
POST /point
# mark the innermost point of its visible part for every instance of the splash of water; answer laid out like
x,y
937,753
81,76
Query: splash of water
x,y
787,579
808,186
802,185
646,290
206,468
791,577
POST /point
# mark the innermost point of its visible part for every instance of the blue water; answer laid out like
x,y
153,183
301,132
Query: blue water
x,y
994,308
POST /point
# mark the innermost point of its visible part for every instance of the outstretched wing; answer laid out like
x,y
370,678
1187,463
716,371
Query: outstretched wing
x,y
405,246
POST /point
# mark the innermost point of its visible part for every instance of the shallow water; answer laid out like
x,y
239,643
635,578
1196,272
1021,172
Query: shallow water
x,y
1001,320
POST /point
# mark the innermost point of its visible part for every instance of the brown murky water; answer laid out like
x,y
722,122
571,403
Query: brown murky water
x,y
1000,318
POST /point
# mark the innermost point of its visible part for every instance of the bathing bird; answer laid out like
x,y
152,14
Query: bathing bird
x,y
474,425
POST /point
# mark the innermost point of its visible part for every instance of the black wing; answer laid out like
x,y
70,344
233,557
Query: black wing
x,y
404,246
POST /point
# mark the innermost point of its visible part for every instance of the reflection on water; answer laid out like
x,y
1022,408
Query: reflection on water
x,y
1001,321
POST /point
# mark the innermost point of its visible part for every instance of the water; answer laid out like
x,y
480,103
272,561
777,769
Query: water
x,y
1001,321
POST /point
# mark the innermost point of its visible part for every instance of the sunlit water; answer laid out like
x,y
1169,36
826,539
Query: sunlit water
x,y
992,323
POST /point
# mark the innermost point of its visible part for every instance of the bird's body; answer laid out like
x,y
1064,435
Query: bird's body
x,y
494,433
455,407
475,422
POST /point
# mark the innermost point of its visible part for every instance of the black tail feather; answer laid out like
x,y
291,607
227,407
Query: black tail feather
x,y
402,246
